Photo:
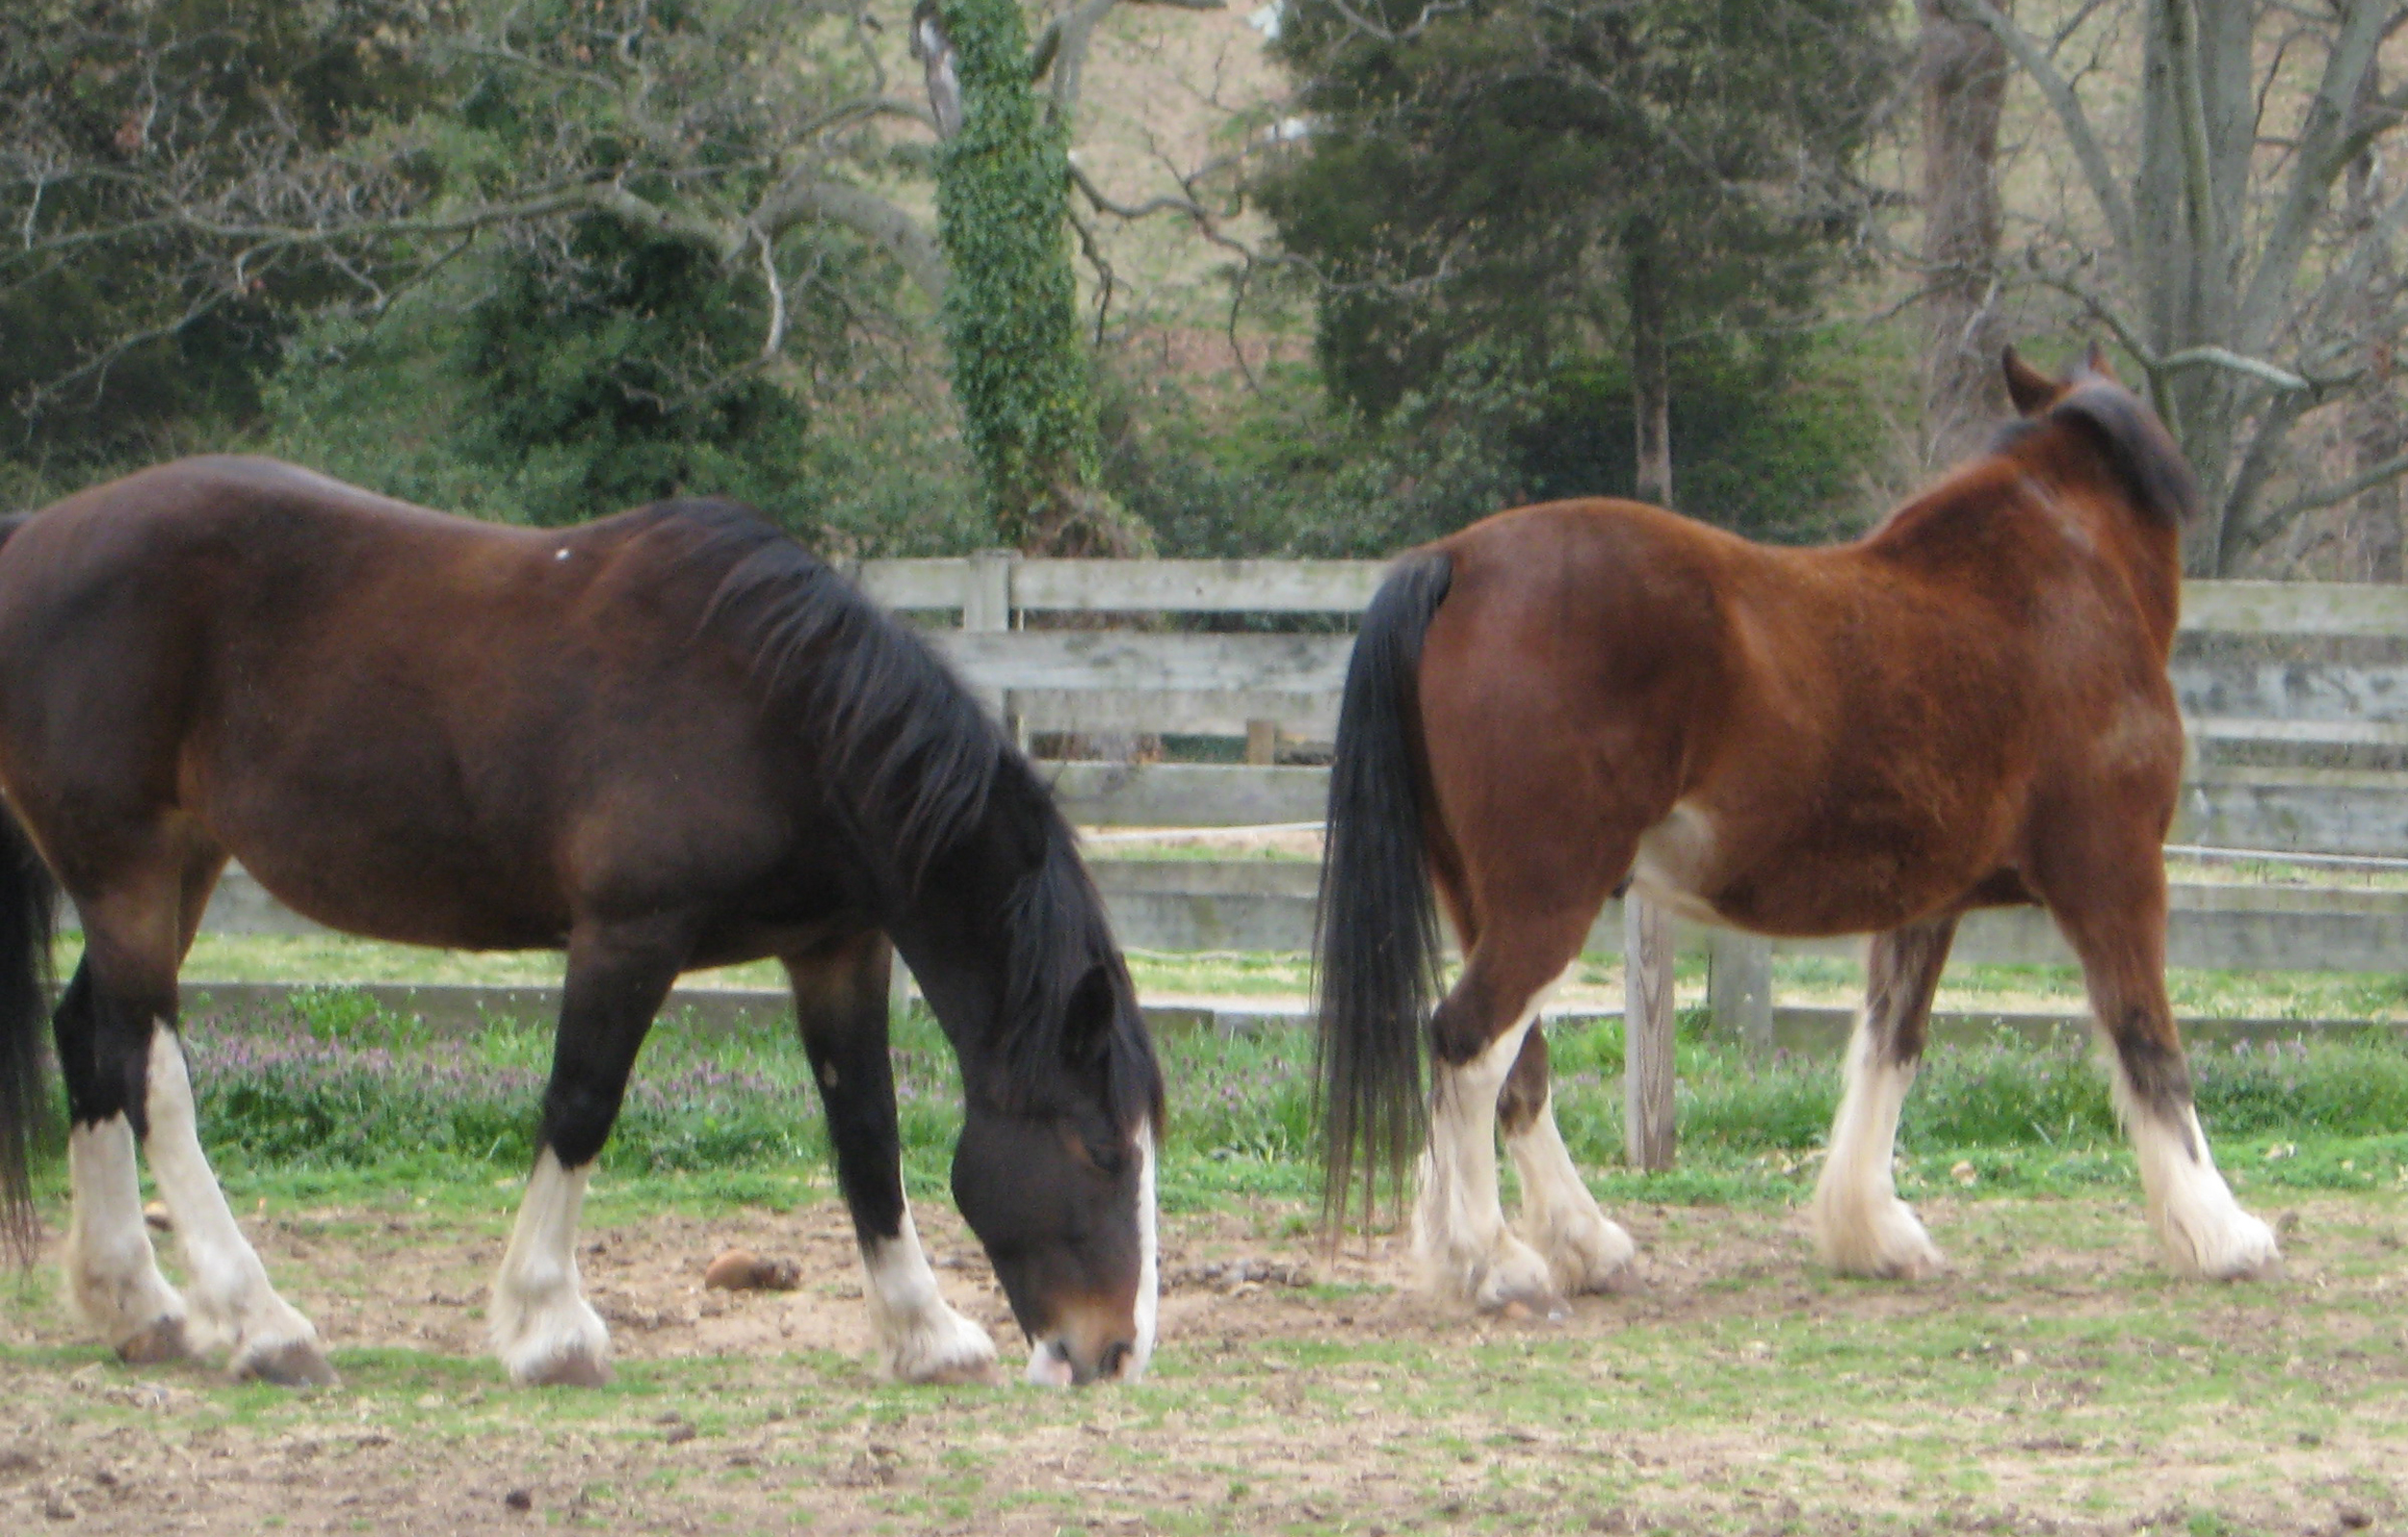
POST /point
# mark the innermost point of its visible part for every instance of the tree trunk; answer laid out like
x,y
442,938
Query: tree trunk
x,y
2377,430
1651,384
2196,121
1020,370
1964,69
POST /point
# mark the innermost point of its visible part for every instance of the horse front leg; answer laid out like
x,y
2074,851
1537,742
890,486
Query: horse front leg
x,y
542,1327
840,1005
1584,1249
1861,1227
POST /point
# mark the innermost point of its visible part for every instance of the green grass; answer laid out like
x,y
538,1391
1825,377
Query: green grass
x,y
338,960
335,1087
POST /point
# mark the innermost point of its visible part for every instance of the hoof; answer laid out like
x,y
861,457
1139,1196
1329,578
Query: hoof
x,y
2245,1249
1884,1243
164,1341
295,1364
1591,1255
945,1348
571,1368
1511,1289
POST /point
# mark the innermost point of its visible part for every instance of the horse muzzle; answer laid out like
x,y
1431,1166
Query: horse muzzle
x,y
1058,1362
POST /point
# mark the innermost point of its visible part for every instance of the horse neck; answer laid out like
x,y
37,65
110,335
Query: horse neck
x,y
955,934
1944,528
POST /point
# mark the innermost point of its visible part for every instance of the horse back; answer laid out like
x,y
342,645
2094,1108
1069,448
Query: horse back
x,y
404,723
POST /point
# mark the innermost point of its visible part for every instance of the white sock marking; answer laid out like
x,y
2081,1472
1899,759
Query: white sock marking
x,y
1459,1223
112,1272
1583,1248
2204,1231
919,1337
1861,1227
541,1319
229,1290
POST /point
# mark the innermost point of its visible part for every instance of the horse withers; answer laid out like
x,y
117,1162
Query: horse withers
x,y
1968,707
667,739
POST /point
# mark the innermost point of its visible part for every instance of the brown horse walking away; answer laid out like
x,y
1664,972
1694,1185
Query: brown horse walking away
x,y
668,739
1966,708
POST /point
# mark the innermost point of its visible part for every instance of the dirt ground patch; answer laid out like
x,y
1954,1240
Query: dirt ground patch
x,y
2056,1381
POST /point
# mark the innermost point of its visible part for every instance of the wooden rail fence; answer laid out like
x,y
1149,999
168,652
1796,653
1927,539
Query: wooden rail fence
x,y
1080,677
1035,640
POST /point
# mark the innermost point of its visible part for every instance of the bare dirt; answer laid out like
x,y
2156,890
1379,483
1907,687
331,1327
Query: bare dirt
x,y
2056,1381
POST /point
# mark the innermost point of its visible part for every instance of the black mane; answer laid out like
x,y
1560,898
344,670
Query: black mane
x,y
2131,439
915,767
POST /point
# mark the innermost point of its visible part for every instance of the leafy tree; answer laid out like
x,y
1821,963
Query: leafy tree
x,y
123,322
1568,180
189,181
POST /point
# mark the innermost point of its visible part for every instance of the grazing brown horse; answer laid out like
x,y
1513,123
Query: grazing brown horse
x,y
667,739
1966,708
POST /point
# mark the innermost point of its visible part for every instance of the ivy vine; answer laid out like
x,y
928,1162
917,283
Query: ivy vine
x,y
1020,372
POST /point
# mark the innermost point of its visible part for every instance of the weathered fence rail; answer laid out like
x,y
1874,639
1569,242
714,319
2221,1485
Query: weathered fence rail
x,y
1000,619
1049,677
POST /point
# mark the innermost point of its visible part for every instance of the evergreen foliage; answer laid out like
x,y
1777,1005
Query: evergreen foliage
x,y
1484,176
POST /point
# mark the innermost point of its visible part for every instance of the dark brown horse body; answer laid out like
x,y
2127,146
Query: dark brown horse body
x,y
1969,707
663,741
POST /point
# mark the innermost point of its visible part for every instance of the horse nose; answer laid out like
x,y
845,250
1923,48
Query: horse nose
x,y
1056,1363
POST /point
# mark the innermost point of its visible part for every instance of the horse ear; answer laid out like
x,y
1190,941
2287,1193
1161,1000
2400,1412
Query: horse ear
x,y
2096,361
1089,1018
2032,390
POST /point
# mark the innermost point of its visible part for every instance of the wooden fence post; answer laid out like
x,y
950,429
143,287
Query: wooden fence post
x,y
898,989
1648,1133
1739,988
1262,742
986,606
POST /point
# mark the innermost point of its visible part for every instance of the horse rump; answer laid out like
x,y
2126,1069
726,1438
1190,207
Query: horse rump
x,y
1376,948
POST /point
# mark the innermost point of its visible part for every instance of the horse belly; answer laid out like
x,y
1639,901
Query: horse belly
x,y
377,836
1804,881
411,901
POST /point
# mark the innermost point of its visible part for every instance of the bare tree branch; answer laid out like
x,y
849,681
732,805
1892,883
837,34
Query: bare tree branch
x,y
2325,148
2105,188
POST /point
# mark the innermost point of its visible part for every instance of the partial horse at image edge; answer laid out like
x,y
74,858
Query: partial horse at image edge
x,y
1968,707
665,740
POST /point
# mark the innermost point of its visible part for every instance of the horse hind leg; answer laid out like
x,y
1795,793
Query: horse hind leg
x,y
2204,1230
136,1079
1585,1251
840,1005
1861,1227
269,1339
1459,1233
113,1276
540,1324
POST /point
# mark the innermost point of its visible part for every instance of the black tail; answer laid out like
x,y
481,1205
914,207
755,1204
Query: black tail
x,y
1375,953
27,899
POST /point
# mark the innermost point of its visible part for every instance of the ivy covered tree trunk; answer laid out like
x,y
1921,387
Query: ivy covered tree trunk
x,y
1019,372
